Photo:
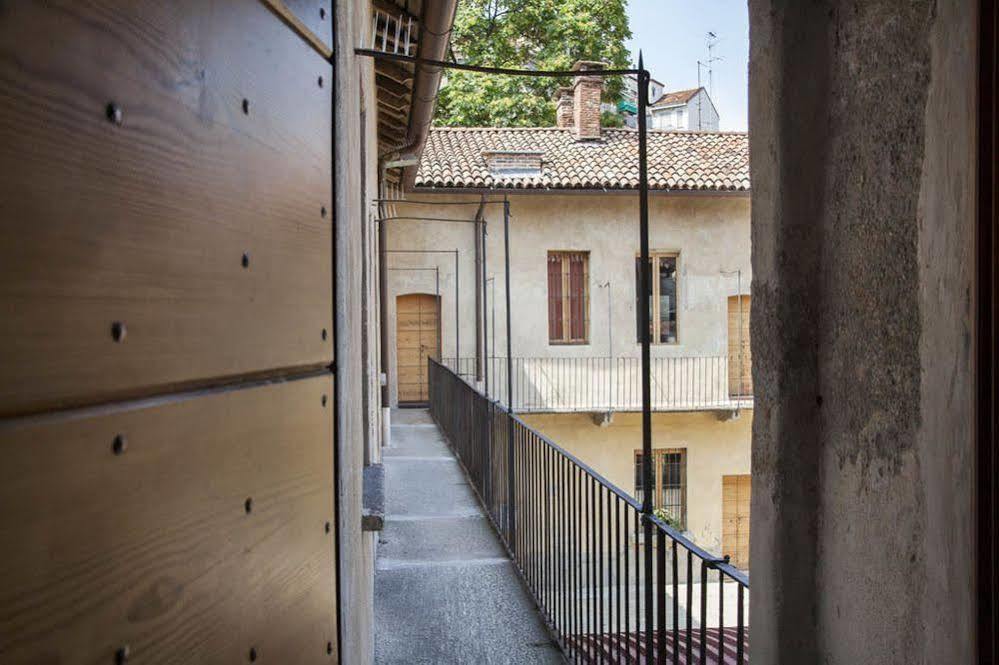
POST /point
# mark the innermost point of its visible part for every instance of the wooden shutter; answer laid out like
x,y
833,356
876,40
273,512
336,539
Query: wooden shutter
x,y
740,374
555,328
577,297
736,492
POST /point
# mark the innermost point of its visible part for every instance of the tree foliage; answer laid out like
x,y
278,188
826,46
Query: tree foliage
x,y
541,34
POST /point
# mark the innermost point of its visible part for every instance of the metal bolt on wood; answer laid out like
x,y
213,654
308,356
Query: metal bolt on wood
x,y
118,331
324,400
121,655
119,445
245,260
253,654
113,112
246,106
248,505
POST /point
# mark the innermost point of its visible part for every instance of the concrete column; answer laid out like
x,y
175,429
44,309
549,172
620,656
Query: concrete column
x,y
862,148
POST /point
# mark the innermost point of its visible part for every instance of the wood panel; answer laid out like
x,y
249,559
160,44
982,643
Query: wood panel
x,y
146,222
417,338
740,357
316,16
153,548
736,492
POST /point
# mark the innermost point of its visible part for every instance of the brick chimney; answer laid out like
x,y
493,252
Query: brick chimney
x,y
586,100
563,108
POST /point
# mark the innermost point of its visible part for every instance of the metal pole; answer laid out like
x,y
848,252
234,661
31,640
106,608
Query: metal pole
x,y
437,290
610,349
742,327
485,326
509,376
643,313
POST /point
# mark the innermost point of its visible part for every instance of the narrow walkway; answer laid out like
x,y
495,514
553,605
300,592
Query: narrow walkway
x,y
445,591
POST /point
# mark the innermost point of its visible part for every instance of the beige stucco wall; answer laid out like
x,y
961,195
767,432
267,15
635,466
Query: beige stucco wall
x,y
711,234
715,448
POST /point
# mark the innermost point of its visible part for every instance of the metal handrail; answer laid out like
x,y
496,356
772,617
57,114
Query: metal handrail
x,y
568,530
607,384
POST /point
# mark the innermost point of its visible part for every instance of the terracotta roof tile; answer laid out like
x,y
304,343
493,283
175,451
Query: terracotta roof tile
x,y
710,161
675,97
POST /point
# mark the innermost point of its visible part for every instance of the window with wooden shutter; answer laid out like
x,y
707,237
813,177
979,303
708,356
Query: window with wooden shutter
x,y
568,297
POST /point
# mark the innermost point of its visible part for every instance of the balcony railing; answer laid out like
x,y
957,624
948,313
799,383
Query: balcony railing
x,y
613,584
559,385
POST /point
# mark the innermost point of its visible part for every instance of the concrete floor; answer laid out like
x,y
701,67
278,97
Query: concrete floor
x,y
445,591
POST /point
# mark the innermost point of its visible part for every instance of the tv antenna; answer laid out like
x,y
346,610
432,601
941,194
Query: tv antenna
x,y
712,41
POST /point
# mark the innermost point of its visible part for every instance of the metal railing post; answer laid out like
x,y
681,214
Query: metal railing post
x,y
511,514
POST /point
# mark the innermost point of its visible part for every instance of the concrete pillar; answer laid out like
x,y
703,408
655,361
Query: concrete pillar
x,y
862,151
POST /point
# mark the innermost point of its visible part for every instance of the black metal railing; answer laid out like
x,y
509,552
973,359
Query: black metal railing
x,y
613,584
555,385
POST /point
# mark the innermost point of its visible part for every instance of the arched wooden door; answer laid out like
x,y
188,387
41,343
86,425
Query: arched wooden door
x,y
417,338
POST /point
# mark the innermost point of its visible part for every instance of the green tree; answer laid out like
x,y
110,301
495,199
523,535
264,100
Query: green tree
x,y
541,34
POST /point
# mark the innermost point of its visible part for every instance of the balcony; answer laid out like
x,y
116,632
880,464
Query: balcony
x,y
603,384
610,583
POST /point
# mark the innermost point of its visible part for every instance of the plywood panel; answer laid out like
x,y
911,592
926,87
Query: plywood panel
x,y
146,222
153,548
316,16
740,358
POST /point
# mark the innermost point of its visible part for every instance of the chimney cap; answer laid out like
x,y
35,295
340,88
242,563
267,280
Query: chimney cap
x,y
562,92
588,65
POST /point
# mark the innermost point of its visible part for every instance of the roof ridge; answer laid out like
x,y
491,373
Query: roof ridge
x,y
626,130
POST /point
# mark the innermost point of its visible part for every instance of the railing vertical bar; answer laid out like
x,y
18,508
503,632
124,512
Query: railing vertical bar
x,y
740,634
661,598
704,610
626,585
721,616
690,604
676,609
617,572
601,618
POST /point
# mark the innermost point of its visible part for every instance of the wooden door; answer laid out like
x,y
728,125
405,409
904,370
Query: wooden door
x,y
740,374
735,519
417,338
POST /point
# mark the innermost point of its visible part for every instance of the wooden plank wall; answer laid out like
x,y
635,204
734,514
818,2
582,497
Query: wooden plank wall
x,y
166,337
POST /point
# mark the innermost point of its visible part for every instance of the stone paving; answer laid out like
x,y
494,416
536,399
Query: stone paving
x,y
445,591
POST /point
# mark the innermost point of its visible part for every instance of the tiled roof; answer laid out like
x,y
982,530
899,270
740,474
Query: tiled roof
x,y
710,161
675,97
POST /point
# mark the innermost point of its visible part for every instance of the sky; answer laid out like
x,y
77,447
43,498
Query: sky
x,y
672,37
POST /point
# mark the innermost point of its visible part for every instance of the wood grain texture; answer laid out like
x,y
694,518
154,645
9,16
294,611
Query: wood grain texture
x,y
146,222
315,15
153,548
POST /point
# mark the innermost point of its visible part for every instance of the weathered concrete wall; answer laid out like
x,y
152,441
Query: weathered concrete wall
x,y
354,93
862,154
711,234
714,448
